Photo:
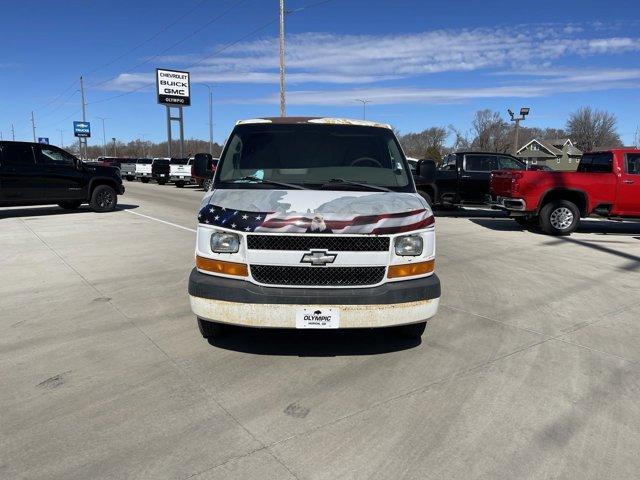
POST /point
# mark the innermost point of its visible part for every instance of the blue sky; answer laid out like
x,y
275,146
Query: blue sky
x,y
421,63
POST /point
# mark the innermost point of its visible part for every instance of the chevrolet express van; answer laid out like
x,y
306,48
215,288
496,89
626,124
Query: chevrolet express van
x,y
314,223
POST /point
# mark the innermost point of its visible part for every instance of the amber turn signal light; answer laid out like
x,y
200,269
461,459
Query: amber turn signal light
x,y
411,269
225,268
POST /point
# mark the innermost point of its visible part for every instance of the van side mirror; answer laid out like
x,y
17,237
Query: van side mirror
x,y
427,170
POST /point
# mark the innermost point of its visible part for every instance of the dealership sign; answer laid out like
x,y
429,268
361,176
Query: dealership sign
x,y
173,88
82,129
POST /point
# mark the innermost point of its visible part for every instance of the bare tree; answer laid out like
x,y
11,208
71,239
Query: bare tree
x,y
491,132
589,129
428,143
144,148
461,140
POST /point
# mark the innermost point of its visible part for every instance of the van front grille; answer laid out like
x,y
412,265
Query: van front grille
x,y
335,243
317,276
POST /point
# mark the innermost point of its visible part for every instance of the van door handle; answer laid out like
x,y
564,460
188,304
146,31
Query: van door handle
x,y
628,182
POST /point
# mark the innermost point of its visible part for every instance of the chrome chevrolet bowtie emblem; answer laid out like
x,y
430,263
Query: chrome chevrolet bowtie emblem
x,y
318,257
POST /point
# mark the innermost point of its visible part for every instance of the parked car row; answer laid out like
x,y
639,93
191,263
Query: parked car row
x,y
606,184
197,170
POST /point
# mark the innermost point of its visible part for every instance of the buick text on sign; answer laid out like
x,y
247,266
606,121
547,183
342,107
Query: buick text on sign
x,y
173,87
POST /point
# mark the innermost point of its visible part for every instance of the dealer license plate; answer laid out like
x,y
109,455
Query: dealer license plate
x,y
318,317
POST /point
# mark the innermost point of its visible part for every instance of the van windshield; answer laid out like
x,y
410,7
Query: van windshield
x,y
313,156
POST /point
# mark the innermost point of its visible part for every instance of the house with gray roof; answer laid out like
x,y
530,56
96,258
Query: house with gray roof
x,y
555,153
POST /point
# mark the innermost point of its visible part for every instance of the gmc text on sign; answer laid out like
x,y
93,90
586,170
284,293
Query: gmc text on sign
x,y
173,87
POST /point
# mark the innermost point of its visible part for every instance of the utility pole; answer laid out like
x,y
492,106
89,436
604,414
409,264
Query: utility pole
x,y
33,126
104,137
364,106
115,147
61,139
84,119
524,111
13,133
283,106
210,117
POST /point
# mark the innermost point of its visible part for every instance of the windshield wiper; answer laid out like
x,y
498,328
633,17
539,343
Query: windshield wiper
x,y
356,184
253,178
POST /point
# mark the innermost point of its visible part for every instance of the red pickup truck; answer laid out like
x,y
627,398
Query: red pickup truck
x,y
607,183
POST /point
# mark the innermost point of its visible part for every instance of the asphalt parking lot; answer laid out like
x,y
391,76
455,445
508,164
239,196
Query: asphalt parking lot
x,y
530,370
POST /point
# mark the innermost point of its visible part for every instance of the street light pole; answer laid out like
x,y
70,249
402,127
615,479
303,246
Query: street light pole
x,y
115,147
210,117
104,136
13,133
283,106
524,111
61,140
364,106
84,119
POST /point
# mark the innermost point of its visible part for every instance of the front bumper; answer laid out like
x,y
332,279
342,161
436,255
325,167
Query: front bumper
x,y
242,303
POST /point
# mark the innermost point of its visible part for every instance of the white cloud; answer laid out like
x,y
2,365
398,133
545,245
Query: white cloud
x,y
359,59
534,87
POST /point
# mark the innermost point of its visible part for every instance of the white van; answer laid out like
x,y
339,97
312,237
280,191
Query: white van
x,y
314,223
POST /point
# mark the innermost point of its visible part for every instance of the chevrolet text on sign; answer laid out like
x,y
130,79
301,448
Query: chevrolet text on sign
x,y
173,87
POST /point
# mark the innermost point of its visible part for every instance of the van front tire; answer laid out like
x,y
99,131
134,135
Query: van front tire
x,y
103,199
210,330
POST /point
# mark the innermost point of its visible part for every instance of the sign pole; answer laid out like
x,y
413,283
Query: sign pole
x,y
168,129
181,132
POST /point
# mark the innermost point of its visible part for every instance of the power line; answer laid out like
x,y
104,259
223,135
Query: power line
x,y
175,44
225,47
144,42
57,96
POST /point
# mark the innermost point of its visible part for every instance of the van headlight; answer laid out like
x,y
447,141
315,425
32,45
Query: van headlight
x,y
224,242
410,245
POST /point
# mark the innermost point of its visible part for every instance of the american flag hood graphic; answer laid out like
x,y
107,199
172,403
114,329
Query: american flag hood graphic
x,y
312,211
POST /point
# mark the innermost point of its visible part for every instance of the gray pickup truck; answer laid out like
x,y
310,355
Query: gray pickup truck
x,y
128,169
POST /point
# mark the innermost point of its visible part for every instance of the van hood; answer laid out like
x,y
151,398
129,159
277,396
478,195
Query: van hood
x,y
315,211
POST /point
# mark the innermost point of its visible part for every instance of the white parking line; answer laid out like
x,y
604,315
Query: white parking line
x,y
159,220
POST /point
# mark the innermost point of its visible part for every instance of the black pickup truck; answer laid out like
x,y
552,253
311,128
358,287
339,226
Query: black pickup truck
x,y
161,170
463,177
36,174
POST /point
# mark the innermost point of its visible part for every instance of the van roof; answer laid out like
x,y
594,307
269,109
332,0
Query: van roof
x,y
316,120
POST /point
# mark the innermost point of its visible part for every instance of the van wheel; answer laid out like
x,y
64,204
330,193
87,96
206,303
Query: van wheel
x,y
180,183
212,329
206,184
103,199
70,204
130,178
559,217
413,330
144,180
162,182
